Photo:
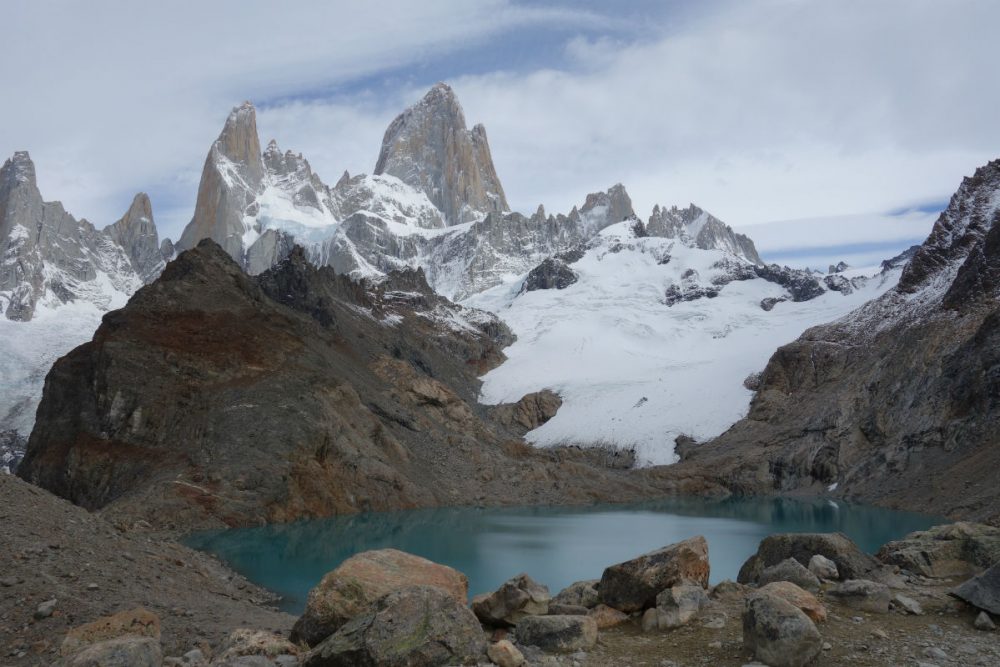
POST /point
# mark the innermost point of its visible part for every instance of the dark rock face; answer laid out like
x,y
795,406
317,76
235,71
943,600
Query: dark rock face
x,y
898,402
550,274
801,285
701,230
215,398
982,592
768,305
899,260
675,294
12,446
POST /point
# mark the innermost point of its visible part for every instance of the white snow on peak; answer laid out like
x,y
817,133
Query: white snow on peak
x,y
632,371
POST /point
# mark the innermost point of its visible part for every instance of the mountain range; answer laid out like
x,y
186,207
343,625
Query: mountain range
x,y
632,322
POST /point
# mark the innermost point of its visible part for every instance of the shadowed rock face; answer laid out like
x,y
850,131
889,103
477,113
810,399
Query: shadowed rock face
x,y
428,147
215,398
898,402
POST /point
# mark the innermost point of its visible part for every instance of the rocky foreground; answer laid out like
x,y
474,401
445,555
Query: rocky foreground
x,y
78,591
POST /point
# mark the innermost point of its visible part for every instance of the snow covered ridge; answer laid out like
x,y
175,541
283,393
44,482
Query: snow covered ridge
x,y
635,369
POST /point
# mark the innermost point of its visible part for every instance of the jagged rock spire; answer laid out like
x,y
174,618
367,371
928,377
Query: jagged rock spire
x,y
232,178
136,233
701,229
429,148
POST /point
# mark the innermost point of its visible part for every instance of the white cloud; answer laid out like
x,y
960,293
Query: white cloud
x,y
758,111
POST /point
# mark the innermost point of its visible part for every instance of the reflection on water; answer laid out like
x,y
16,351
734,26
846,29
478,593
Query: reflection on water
x,y
555,545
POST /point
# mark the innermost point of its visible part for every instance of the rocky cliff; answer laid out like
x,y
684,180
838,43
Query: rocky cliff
x,y
429,148
898,402
216,398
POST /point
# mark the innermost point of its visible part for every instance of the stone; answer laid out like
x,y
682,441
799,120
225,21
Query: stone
x,y
550,274
516,598
7,582
138,622
128,651
984,622
45,609
558,634
950,550
728,590
583,593
908,604
823,567
633,585
851,561
675,607
505,654
778,633
934,653
982,592
863,595
799,598
194,657
351,589
417,626
243,642
567,610
792,571
606,617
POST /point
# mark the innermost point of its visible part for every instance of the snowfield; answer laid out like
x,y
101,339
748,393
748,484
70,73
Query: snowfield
x,y
632,371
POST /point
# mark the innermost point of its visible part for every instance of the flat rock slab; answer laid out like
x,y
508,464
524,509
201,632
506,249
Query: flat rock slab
x,y
982,592
558,634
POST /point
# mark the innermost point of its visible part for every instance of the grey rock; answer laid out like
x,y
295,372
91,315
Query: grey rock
x,y
517,598
701,230
779,634
136,233
908,604
550,274
680,604
45,609
420,626
768,303
851,562
984,622
863,595
558,634
955,549
823,567
982,591
583,593
790,570
934,653
126,651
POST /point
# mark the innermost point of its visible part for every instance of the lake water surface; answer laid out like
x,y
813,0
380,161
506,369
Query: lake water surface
x,y
555,545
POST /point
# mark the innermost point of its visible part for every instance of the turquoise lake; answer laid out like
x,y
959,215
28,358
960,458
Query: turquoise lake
x,y
555,545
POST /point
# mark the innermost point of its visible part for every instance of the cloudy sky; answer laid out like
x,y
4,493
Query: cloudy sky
x,y
824,129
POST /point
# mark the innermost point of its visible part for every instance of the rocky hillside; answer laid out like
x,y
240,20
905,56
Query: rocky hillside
x,y
216,398
898,402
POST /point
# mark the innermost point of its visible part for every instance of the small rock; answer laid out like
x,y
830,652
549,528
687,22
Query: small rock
x,y
45,609
716,645
517,598
558,634
92,587
728,590
880,633
827,646
7,582
606,617
863,595
286,660
582,593
194,657
984,622
505,654
934,653
128,651
823,567
907,604
790,570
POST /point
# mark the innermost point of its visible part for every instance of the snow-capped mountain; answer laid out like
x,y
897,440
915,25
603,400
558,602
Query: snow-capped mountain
x,y
650,338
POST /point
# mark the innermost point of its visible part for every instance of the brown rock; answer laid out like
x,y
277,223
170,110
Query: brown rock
x,y
247,641
530,412
138,622
517,598
505,654
634,584
798,597
352,588
606,617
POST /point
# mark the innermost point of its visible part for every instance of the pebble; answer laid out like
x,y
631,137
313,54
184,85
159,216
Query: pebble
x,y
934,653
715,645
92,587
45,609
827,646
7,582
880,633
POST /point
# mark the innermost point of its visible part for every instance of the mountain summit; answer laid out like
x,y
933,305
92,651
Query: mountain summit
x,y
429,148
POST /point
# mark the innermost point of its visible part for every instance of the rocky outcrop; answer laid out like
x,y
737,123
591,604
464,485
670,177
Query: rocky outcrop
x,y
517,599
558,634
357,583
851,562
429,148
983,591
702,230
231,180
950,550
897,402
550,274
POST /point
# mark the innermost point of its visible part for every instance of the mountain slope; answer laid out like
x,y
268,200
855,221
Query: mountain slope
x,y
897,402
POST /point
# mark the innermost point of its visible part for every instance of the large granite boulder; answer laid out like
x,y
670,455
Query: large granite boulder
x,y
982,591
516,598
798,597
418,626
778,633
634,584
558,634
957,549
851,562
353,587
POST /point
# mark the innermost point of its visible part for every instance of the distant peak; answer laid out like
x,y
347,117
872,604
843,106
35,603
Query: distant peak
x,y
19,168
141,208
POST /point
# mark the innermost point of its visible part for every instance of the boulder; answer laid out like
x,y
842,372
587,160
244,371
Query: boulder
x,y
675,607
957,549
907,604
583,593
792,571
248,642
823,567
778,633
505,654
127,651
138,622
518,597
558,634
982,592
567,610
417,626
728,590
634,584
799,598
359,581
851,562
863,595
606,617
